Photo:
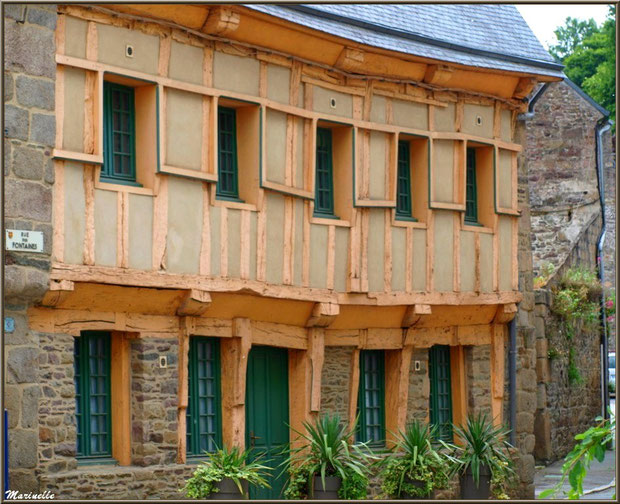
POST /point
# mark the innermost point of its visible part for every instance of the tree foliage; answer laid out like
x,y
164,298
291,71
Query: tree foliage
x,y
588,52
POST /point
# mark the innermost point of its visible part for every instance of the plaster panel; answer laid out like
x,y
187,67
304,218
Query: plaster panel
x,y
470,115
73,122
399,258
234,243
340,264
410,114
443,250
278,83
419,260
486,262
105,227
253,238
506,125
444,117
318,256
443,170
235,73
184,225
276,146
75,210
468,261
321,101
113,41
504,171
75,37
183,129
140,231
298,241
215,219
275,238
185,63
377,165
505,253
377,109
376,250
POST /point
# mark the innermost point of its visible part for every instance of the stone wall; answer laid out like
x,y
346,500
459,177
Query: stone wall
x,y
335,380
478,369
29,135
609,245
419,387
154,393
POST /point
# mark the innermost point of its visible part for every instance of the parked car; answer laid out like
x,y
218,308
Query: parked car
x,y
612,374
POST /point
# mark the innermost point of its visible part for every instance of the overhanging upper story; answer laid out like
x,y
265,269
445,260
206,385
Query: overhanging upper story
x,y
222,149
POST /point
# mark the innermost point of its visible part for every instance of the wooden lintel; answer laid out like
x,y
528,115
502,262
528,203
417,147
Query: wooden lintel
x,y
438,74
58,291
194,304
316,347
505,313
414,313
221,21
323,314
524,87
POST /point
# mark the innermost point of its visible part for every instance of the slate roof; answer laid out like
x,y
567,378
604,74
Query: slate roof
x,y
486,36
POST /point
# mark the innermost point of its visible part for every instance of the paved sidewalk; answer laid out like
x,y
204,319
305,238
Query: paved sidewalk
x,y
599,483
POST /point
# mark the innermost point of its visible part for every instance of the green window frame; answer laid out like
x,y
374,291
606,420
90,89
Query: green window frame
x,y
471,188
119,134
91,352
371,397
441,391
227,167
204,415
324,174
403,182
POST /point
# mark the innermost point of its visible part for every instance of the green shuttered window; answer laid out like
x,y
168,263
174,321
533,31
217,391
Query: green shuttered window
x,y
227,171
204,424
403,186
92,394
324,180
441,395
119,134
471,189
371,400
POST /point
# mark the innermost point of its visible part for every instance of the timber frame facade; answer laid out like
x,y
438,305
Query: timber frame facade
x,y
167,258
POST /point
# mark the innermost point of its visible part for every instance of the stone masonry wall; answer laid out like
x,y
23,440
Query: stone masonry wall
x,y
29,136
335,381
419,387
478,369
609,245
154,402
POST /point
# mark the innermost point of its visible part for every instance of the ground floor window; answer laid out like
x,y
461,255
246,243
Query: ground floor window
x,y
371,400
441,394
204,424
92,394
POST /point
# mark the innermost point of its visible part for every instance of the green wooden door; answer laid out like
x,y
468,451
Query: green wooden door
x,y
266,413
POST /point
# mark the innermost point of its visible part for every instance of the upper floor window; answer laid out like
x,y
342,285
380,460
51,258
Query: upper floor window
x,y
403,186
204,429
371,400
119,134
324,195
471,188
227,184
92,395
441,390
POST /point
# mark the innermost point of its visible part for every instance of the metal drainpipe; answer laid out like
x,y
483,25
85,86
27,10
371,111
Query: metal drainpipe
x,y
601,128
512,379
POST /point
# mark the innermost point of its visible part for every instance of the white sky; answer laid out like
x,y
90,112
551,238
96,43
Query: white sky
x,y
544,19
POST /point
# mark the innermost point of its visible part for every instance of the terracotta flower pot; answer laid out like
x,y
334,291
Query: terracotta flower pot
x,y
228,490
469,489
327,492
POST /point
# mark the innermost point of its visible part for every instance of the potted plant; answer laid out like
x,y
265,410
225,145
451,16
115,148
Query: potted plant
x,y
483,455
417,468
226,474
328,466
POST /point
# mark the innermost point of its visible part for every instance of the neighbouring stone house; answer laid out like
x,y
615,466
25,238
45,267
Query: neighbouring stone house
x,y
568,178
254,214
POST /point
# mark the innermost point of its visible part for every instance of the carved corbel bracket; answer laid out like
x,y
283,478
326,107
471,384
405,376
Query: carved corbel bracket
x,y
221,21
58,291
323,314
438,74
194,304
414,314
505,313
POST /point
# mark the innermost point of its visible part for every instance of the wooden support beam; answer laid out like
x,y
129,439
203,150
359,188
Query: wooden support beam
x,y
58,292
414,313
316,349
299,375
183,371
397,363
497,372
120,389
323,314
194,304
354,384
458,379
234,358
